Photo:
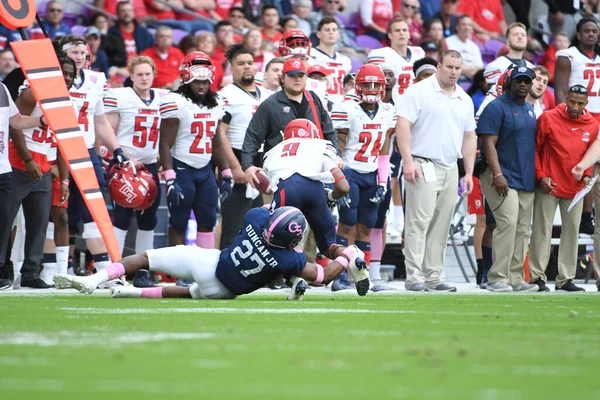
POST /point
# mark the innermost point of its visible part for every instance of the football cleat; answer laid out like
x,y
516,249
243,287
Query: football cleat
x,y
360,273
82,284
298,289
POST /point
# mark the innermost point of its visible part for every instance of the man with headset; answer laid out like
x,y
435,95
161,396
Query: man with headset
x,y
507,128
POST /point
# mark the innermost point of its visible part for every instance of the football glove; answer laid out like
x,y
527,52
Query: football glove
x,y
379,194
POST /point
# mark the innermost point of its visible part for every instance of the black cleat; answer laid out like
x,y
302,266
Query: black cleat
x,y
360,273
35,283
5,284
569,286
143,279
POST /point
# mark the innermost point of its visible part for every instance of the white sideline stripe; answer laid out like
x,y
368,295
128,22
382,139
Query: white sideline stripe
x,y
57,104
225,310
91,196
41,75
69,135
81,165
77,339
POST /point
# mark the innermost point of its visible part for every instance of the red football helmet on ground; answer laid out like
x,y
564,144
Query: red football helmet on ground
x,y
370,83
130,188
196,65
301,129
294,43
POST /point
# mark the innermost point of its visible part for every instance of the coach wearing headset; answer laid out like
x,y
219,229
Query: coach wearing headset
x,y
507,128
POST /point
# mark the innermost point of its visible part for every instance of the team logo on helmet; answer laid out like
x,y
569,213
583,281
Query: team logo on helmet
x,y
302,133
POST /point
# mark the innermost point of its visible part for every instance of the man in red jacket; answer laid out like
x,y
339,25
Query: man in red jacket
x,y
563,136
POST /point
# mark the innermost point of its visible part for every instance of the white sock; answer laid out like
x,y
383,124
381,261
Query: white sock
x,y
374,267
398,218
121,235
144,240
62,259
100,265
99,277
17,268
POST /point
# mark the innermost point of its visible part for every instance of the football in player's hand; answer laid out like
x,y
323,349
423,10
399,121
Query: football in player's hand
x,y
264,186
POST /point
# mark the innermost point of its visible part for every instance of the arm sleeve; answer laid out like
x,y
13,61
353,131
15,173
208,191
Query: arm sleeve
x,y
111,103
366,12
169,108
490,122
409,105
255,134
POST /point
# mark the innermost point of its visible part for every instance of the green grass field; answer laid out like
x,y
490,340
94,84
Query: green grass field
x,y
326,347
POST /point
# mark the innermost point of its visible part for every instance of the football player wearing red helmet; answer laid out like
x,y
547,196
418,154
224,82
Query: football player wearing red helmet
x,y
294,43
364,131
187,158
134,114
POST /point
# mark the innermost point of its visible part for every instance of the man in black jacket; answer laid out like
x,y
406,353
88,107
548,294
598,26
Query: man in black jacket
x,y
272,116
126,38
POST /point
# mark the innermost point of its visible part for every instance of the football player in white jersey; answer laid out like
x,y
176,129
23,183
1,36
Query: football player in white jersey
x,y
189,140
297,168
134,114
56,247
580,65
240,100
399,55
324,54
516,41
88,94
32,183
364,131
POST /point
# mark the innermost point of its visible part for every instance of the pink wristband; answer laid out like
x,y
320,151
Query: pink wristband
x,y
227,173
320,274
170,174
342,260
383,169
350,252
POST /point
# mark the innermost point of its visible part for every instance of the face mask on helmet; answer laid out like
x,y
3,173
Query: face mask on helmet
x,y
294,43
370,92
201,72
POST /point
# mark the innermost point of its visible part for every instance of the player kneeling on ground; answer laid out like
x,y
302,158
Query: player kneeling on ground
x,y
262,250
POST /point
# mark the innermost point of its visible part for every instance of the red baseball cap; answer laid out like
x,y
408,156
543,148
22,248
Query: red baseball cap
x,y
319,69
293,66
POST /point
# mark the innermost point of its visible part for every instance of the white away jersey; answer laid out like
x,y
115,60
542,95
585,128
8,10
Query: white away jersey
x,y
197,127
339,66
241,105
88,94
403,68
365,136
494,69
311,158
139,121
584,71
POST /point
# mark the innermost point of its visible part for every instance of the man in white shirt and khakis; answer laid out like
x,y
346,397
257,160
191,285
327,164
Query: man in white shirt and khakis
x,y
435,128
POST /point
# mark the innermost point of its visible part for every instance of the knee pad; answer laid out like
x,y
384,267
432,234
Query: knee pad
x,y
91,231
50,231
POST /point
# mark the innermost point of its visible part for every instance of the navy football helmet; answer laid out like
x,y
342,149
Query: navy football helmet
x,y
285,228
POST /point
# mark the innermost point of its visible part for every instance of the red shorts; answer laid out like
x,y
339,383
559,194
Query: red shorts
x,y
476,199
56,195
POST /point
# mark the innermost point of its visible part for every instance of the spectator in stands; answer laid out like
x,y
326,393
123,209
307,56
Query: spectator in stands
x,y
139,8
167,59
560,41
272,76
288,23
189,43
270,23
462,43
130,38
52,21
563,16
477,91
238,22
100,21
161,12
253,10
7,63
224,36
434,32
301,13
563,136
508,180
521,9
207,44
538,90
349,81
447,16
488,18
431,50
374,17
429,8
99,58
254,42
222,8
410,13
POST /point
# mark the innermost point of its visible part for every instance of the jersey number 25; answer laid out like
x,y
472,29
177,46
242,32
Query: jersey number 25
x,y
200,128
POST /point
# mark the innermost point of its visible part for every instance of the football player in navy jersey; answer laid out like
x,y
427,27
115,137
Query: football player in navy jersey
x,y
263,249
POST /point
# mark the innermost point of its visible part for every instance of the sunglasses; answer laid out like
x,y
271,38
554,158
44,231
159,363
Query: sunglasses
x,y
578,89
58,10
414,8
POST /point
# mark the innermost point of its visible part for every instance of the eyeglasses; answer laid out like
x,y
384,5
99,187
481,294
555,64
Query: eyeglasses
x,y
333,2
414,8
578,89
58,10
